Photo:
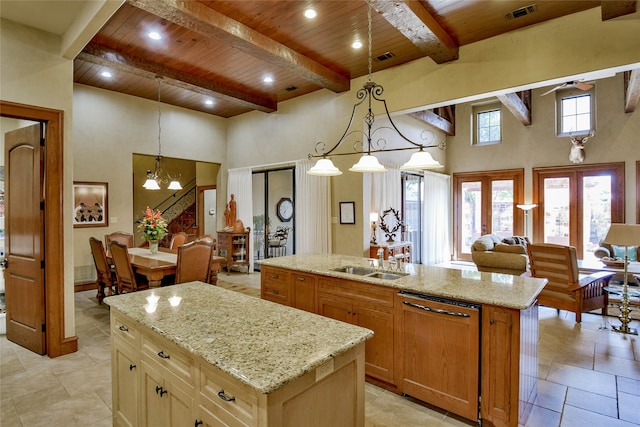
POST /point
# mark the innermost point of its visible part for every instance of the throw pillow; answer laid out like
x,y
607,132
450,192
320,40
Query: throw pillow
x,y
510,249
618,252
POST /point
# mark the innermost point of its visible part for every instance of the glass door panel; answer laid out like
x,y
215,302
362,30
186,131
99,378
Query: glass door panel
x,y
502,208
556,210
471,214
412,196
596,212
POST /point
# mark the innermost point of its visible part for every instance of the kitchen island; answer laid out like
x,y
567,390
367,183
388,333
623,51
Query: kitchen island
x,y
195,354
462,340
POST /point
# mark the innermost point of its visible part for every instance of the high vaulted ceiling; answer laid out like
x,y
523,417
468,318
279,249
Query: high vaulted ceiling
x,y
222,51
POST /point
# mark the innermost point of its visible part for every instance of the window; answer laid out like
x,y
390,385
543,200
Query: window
x,y
487,127
412,199
576,204
485,202
575,111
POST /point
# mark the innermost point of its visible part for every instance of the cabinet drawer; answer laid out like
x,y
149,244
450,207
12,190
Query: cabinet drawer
x,y
379,297
168,355
124,329
275,285
226,399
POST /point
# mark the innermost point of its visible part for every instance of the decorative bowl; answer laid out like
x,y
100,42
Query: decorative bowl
x,y
613,262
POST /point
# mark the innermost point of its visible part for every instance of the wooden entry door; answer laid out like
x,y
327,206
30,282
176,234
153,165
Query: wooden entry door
x,y
24,244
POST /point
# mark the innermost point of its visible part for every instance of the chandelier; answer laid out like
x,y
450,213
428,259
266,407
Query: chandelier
x,y
368,162
157,177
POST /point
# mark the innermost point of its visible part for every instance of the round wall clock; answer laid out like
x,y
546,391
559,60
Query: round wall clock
x,y
284,209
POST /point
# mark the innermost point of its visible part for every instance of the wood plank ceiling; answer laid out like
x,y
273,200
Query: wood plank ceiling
x,y
221,51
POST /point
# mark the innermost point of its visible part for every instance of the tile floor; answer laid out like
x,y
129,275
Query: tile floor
x,y
588,375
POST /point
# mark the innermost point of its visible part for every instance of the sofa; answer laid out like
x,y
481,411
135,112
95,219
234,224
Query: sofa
x,y
612,251
492,253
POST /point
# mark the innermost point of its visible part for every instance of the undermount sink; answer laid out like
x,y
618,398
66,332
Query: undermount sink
x,y
370,272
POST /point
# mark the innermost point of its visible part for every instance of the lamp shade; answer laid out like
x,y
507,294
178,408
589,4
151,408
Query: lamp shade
x,y
419,161
373,216
324,167
151,184
623,235
174,185
527,206
368,163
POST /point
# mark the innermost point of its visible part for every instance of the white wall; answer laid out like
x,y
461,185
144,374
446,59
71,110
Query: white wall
x,y
109,128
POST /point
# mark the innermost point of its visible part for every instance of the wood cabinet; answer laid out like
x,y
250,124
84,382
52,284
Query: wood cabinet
x,y
234,247
365,305
392,249
125,367
439,351
289,288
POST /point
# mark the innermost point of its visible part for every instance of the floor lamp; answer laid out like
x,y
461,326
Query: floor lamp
x,y
624,235
527,209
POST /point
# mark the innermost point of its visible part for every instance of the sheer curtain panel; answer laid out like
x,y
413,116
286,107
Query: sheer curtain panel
x,y
313,211
436,239
240,185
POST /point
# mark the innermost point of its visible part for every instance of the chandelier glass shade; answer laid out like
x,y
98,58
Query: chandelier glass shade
x,y
157,176
368,147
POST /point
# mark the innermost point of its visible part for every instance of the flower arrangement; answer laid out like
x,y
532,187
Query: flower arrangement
x,y
153,226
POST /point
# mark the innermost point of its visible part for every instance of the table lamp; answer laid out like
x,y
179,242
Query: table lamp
x,y
624,235
373,217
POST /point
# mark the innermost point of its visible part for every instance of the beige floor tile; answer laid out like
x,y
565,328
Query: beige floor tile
x,y
583,379
628,385
629,407
617,366
576,417
592,402
551,395
543,417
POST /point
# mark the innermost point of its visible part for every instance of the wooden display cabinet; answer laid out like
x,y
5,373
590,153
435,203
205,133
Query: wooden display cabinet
x,y
235,248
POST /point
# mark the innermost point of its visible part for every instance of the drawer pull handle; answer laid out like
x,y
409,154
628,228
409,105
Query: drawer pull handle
x,y
274,276
161,391
301,279
123,328
224,397
436,310
198,423
132,367
162,355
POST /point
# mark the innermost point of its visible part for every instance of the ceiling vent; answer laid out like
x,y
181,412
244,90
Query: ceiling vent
x,y
523,11
291,88
384,56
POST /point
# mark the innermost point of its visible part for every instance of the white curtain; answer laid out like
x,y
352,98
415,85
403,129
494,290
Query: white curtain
x,y
436,236
313,211
386,192
240,185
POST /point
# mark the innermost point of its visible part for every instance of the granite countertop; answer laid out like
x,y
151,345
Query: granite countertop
x,y
263,344
466,285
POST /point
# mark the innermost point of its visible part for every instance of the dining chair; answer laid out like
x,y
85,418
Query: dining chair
x,y
106,276
566,288
194,262
177,240
119,236
126,279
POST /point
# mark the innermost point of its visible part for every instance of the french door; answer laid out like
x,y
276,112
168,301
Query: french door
x,y
485,202
412,199
577,204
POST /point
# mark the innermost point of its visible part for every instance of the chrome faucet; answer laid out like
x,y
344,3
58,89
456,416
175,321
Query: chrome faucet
x,y
380,258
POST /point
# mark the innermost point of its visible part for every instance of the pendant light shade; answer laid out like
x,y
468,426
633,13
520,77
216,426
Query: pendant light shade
x,y
421,160
174,185
368,163
324,167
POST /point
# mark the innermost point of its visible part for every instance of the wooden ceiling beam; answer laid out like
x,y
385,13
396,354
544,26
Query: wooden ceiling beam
x,y
205,21
97,54
519,103
420,27
631,90
614,8
437,121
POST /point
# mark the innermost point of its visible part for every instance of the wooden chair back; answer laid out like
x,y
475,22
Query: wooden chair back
x,y
194,262
178,239
566,290
125,277
119,236
105,274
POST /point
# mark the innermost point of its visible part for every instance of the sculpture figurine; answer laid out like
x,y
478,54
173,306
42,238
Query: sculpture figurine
x,y
230,214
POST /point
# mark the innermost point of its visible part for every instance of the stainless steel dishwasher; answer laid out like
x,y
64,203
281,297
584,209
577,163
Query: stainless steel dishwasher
x,y
441,352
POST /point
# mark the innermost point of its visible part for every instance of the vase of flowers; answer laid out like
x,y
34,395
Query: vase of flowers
x,y
153,228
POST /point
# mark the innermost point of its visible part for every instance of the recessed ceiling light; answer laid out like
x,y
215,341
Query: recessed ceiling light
x,y
268,79
310,13
106,74
154,35
356,44
208,102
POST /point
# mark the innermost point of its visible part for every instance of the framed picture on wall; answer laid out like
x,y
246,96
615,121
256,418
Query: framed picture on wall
x,y
90,204
347,213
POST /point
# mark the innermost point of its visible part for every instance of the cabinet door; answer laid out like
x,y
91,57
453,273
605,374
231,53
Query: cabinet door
x,y
125,385
378,355
499,370
154,412
335,309
304,292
